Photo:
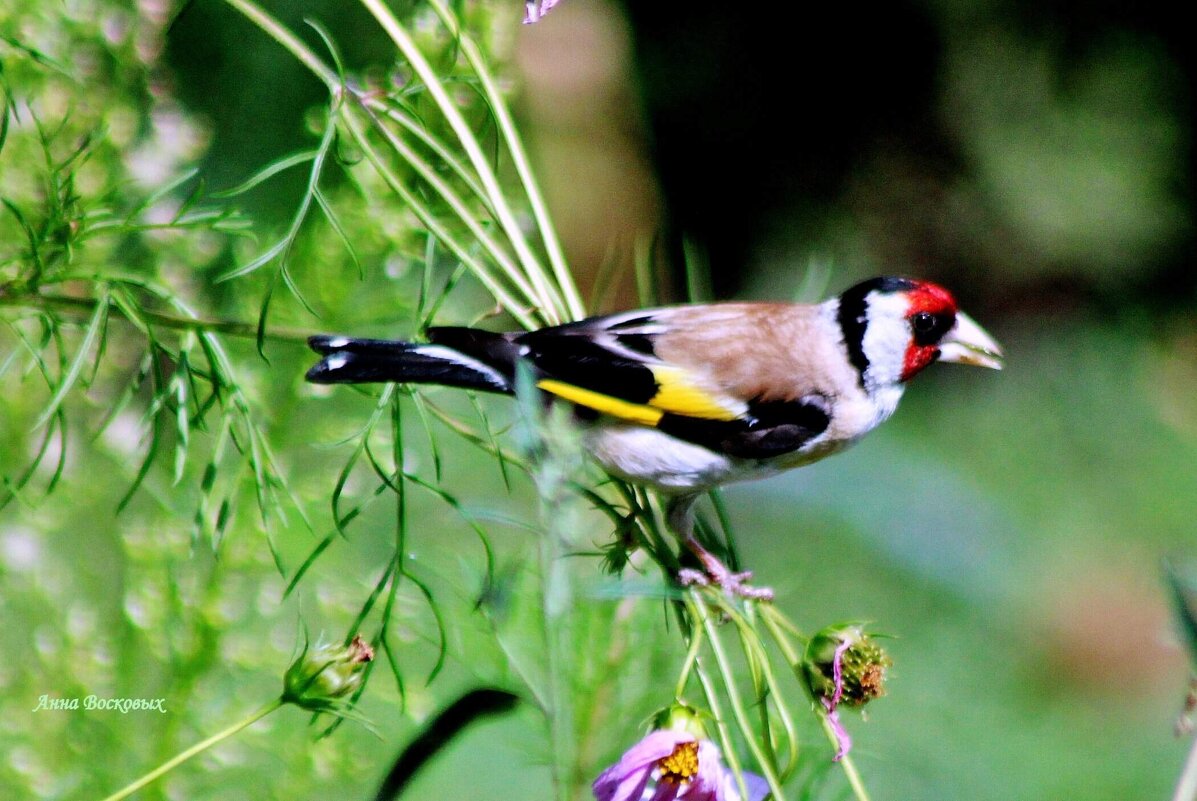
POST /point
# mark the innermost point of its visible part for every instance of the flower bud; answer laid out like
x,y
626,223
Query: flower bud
x,y
318,678
681,718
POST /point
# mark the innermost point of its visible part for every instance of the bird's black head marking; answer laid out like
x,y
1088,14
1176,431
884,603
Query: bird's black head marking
x,y
853,315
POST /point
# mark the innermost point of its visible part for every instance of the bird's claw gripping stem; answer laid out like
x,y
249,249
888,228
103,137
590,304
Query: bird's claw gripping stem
x,y
716,573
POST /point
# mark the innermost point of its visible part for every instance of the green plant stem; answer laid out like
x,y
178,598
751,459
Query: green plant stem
x,y
441,150
287,39
850,771
198,748
508,301
89,305
696,636
551,302
698,608
1186,785
463,213
554,589
519,159
753,648
729,752
769,615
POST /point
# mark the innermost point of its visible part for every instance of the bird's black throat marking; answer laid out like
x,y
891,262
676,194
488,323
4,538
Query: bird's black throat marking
x,y
854,319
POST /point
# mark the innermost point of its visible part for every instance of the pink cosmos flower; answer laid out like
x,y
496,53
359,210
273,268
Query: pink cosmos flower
x,y
535,9
683,766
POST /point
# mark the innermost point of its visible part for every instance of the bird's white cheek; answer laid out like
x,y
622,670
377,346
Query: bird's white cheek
x,y
885,340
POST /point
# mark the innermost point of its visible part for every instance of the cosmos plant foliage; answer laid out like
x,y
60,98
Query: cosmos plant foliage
x,y
96,299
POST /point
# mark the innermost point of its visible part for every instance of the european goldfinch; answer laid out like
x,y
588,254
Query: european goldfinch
x,y
683,399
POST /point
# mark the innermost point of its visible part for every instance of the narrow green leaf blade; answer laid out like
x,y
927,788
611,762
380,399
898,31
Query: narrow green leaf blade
x,y
68,379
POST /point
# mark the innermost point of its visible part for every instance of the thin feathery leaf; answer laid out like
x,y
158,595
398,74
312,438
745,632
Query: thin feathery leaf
x,y
433,446
207,488
143,469
6,112
67,381
396,670
264,315
464,514
163,191
329,45
31,237
450,284
256,263
281,248
132,386
307,563
178,389
388,577
442,650
59,422
266,173
331,216
37,55
191,200
55,431
341,520
481,412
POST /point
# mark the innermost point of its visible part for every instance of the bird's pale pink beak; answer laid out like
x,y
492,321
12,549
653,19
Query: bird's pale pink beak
x,y
968,343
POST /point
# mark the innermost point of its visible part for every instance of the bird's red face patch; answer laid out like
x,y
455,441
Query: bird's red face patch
x,y
931,313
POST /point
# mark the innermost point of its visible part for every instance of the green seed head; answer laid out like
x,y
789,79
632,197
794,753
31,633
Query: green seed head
x,y
862,665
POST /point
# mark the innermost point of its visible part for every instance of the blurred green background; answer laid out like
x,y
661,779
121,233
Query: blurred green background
x,y
1006,528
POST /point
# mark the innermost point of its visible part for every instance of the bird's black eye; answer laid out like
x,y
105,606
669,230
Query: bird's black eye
x,y
928,327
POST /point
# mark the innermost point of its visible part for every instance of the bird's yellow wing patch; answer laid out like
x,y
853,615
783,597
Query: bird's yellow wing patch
x,y
677,394
625,410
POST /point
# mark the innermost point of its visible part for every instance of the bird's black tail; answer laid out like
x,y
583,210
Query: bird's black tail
x,y
456,357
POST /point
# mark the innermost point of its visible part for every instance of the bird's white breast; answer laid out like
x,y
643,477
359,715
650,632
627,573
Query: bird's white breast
x,y
649,456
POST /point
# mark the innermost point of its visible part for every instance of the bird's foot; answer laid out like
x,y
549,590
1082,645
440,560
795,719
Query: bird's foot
x,y
717,574
713,572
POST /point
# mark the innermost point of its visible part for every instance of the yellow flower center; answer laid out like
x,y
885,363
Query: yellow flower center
x,y
681,764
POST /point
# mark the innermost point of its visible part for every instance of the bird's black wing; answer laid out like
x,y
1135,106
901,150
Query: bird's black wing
x,y
610,365
766,430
